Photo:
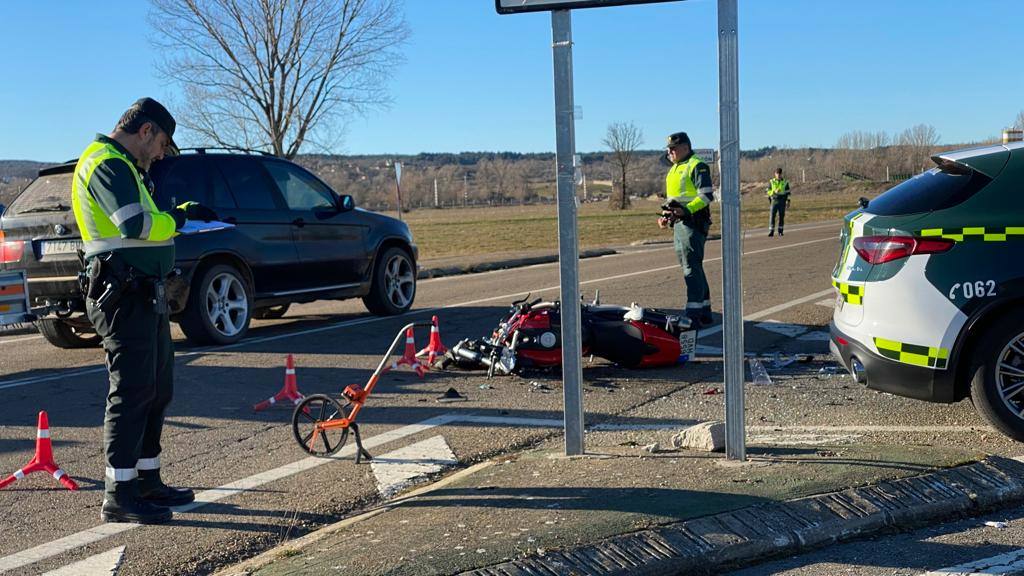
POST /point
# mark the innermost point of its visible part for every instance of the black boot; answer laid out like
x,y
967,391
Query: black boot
x,y
772,233
122,504
153,490
780,232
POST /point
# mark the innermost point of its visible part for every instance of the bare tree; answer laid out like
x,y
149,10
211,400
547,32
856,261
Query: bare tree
x,y
275,74
1018,122
919,136
623,139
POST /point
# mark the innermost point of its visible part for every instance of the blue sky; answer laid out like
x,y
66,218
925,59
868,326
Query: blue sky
x,y
810,70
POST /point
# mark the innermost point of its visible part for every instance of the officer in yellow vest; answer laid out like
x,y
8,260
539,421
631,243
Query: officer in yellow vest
x,y
688,183
778,198
129,246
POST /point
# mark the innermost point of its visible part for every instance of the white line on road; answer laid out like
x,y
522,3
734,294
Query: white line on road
x,y
768,311
103,564
86,537
396,469
360,321
1001,565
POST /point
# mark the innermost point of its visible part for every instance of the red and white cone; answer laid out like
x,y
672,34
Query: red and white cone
x,y
43,460
435,348
409,357
289,392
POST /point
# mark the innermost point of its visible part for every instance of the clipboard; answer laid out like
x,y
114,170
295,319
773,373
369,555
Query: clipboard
x,y
201,227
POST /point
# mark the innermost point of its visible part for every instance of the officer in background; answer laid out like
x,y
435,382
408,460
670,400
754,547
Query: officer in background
x,y
688,191
778,198
129,248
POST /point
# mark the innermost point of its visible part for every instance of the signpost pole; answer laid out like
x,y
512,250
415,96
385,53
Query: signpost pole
x,y
568,249
732,319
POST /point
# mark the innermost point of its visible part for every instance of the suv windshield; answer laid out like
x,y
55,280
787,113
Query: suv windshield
x,y
936,189
50,193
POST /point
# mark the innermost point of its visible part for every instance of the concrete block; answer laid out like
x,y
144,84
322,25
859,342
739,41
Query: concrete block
x,y
706,436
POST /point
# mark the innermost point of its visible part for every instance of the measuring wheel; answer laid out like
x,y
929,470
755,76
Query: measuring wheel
x,y
309,415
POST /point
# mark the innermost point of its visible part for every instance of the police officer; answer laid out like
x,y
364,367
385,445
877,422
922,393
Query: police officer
x,y
688,183
778,198
129,248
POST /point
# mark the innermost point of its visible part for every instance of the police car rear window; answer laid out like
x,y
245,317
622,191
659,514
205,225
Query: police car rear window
x,y
933,190
50,193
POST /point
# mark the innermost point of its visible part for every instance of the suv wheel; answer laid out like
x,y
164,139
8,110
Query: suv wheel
x,y
997,388
219,307
64,334
270,312
393,288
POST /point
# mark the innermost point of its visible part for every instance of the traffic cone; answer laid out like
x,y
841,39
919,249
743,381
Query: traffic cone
x,y
409,357
290,391
435,348
43,460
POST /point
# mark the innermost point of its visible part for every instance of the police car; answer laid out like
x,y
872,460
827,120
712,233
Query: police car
x,y
930,286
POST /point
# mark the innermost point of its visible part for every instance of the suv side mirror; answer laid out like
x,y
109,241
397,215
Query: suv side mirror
x,y
345,203
863,202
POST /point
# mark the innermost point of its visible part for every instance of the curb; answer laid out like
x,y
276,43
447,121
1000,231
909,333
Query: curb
x,y
503,264
698,545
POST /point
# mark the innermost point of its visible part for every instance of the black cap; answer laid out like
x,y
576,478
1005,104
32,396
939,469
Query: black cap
x,y
156,112
677,139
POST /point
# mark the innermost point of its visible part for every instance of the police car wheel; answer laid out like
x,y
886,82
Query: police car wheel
x,y
393,288
997,388
219,306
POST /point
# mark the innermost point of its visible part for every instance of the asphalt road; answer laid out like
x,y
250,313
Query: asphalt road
x,y
213,439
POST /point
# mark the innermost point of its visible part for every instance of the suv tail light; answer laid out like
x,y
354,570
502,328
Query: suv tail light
x,y
882,249
11,251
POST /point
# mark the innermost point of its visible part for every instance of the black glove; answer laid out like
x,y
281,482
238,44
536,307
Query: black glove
x,y
196,211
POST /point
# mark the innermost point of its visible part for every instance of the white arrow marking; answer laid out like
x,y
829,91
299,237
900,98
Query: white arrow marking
x,y
105,564
397,469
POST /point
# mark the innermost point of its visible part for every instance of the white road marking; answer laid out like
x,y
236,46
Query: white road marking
x,y
783,328
827,303
86,537
767,312
104,564
423,311
1001,565
801,439
398,468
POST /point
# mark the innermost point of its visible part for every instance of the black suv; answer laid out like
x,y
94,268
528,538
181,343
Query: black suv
x,y
294,240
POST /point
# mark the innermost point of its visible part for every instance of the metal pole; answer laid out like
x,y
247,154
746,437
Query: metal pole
x,y
732,319
568,249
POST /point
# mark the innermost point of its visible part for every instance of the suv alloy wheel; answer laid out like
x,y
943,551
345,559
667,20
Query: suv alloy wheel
x,y
219,306
394,284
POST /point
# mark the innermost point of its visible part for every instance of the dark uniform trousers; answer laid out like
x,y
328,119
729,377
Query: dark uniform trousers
x,y
140,359
689,245
778,208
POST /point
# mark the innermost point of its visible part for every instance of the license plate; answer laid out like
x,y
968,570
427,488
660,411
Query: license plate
x,y
51,247
688,343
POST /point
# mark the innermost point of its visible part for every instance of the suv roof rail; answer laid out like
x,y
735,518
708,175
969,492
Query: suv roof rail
x,y
205,149
68,166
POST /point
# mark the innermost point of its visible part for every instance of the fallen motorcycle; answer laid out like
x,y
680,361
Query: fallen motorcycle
x,y
529,337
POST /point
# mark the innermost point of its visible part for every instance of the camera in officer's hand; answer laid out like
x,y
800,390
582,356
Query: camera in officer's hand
x,y
674,212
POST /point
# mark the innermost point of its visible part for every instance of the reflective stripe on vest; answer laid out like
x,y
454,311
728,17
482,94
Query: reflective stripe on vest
x,y
100,232
679,180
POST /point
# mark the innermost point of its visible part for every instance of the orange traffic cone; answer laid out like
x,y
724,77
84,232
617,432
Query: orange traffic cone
x,y
409,357
43,460
435,348
290,391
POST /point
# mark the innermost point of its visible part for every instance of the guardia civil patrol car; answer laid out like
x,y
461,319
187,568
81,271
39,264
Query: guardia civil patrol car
x,y
930,286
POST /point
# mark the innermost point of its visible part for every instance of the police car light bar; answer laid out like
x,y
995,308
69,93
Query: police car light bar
x,y
515,6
